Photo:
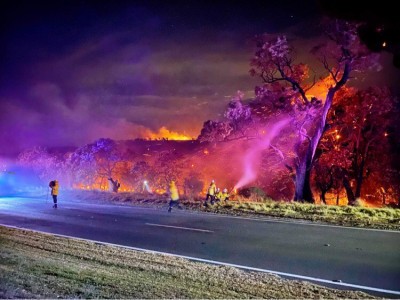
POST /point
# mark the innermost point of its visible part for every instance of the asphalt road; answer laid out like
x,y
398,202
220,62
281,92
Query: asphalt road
x,y
358,257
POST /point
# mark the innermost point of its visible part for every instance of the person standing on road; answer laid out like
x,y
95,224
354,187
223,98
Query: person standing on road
x,y
173,195
54,191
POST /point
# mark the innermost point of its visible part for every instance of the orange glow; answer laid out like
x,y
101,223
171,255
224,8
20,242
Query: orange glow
x,y
320,89
102,185
164,133
160,191
337,136
332,199
364,203
206,152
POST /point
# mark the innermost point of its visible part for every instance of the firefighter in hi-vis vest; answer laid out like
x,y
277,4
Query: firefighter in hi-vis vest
x,y
54,191
212,189
173,195
225,195
218,195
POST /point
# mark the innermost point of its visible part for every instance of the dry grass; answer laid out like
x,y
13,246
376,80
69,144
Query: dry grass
x,y
35,265
382,218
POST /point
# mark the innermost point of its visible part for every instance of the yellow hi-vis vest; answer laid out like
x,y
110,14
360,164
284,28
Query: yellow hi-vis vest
x,y
225,196
212,188
173,192
54,189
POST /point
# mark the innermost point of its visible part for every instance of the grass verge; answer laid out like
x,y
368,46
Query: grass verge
x,y
36,265
353,216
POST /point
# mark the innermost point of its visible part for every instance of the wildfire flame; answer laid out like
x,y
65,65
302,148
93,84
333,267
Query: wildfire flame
x,y
165,133
320,89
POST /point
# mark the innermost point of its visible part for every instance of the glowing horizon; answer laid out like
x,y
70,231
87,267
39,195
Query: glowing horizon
x,y
165,133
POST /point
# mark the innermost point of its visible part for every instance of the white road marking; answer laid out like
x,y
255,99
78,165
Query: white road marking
x,y
214,262
177,227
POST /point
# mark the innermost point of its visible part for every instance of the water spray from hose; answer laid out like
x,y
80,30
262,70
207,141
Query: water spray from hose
x,y
147,187
253,155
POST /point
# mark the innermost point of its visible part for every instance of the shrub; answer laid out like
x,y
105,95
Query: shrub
x,y
252,193
193,185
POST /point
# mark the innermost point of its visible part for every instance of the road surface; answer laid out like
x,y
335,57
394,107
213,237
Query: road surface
x,y
361,259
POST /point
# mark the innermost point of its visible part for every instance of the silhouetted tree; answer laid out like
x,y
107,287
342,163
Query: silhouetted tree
x,y
274,64
96,162
214,131
360,122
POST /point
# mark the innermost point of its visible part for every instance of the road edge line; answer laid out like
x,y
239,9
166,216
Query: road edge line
x,y
313,279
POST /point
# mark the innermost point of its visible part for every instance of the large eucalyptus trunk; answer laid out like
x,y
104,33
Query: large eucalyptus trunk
x,y
303,191
303,170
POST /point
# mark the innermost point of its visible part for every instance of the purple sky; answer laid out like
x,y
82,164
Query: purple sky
x,y
76,71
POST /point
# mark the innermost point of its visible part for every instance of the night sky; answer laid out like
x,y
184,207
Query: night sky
x,y
76,71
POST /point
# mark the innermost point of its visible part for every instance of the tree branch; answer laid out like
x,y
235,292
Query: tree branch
x,y
330,71
312,85
295,85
